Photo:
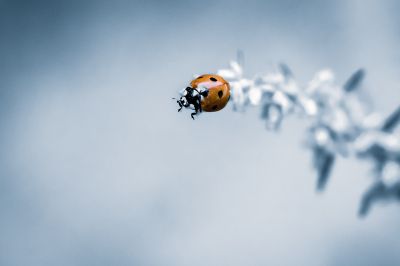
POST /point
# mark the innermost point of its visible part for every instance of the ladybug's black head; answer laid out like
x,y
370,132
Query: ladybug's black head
x,y
191,98
183,101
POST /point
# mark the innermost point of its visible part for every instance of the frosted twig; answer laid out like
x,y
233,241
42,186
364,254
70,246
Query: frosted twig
x,y
341,123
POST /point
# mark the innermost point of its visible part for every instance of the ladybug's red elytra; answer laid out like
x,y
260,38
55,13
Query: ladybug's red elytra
x,y
208,93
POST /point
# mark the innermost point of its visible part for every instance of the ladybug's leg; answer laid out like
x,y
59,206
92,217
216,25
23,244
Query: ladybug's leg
x,y
197,108
195,112
199,104
180,105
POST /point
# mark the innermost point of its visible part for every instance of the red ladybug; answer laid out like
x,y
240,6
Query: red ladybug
x,y
208,93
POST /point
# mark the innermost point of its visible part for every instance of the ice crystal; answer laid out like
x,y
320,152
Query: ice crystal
x,y
341,122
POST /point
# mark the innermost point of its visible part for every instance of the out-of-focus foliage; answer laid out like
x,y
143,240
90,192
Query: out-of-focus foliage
x,y
340,122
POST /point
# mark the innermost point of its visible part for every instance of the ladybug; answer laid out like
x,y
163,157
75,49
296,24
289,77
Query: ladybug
x,y
208,93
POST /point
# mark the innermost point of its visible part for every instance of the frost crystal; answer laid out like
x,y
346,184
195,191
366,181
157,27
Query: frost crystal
x,y
341,123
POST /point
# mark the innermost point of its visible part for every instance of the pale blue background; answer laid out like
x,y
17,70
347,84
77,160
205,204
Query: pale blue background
x,y
98,168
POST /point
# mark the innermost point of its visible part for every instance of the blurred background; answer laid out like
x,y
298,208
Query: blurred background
x,y
98,168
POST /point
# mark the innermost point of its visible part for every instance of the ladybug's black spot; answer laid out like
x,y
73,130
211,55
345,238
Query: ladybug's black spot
x,y
213,79
200,77
214,107
220,93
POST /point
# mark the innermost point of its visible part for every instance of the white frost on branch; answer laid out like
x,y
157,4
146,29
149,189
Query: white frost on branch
x,y
341,122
